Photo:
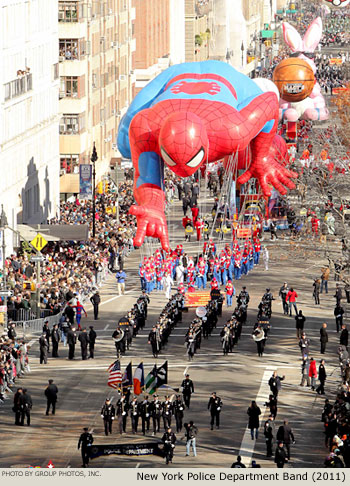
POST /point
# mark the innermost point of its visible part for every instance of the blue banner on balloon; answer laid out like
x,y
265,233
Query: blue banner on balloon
x,y
85,181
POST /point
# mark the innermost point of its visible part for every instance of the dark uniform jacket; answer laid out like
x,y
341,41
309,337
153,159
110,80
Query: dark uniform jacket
x,y
51,392
108,411
214,404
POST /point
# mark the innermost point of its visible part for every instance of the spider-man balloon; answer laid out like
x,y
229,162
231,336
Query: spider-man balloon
x,y
189,115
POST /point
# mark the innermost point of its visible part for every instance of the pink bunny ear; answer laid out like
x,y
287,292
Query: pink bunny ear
x,y
292,37
313,35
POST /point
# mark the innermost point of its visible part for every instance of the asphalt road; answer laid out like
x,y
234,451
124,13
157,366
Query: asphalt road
x,y
237,378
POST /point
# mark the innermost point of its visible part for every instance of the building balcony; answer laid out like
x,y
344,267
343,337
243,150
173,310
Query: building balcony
x,y
73,144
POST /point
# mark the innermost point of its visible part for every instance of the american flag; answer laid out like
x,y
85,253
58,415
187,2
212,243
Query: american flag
x,y
115,375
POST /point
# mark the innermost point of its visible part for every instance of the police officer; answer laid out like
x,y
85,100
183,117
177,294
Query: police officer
x,y
145,410
243,298
134,414
55,338
71,341
178,410
92,340
169,439
119,337
122,413
95,301
84,341
187,390
156,413
108,414
269,433
44,348
167,411
146,301
51,396
153,340
214,405
85,442
46,330
25,404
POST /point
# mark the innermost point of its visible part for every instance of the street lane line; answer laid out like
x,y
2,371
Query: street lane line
x,y
247,446
106,327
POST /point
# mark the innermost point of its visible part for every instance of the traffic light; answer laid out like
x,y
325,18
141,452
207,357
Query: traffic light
x,y
29,286
100,188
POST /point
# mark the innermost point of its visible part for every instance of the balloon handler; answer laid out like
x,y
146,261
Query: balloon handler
x,y
192,114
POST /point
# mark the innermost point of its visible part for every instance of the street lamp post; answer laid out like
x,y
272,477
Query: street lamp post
x,y
3,224
242,49
93,159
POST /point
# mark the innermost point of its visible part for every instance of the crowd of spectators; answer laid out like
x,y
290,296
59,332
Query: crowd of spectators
x,y
13,361
73,267
336,420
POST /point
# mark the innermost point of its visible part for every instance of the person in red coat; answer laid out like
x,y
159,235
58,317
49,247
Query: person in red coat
x,y
199,225
313,373
291,299
195,212
214,284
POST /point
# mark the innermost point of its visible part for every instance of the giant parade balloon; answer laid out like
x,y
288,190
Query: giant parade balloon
x,y
312,107
336,3
190,115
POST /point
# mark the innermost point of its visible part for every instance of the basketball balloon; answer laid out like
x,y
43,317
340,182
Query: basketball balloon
x,y
294,79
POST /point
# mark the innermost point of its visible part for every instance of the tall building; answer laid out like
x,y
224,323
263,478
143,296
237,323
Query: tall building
x,y
177,31
239,26
152,34
198,29
29,144
96,47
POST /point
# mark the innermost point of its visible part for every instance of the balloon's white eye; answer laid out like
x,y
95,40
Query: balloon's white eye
x,y
167,159
197,159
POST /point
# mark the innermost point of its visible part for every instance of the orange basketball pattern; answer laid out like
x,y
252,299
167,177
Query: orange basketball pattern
x,y
294,79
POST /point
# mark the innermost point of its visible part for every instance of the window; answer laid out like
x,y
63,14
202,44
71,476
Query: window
x,y
18,86
72,49
72,124
68,11
69,87
69,163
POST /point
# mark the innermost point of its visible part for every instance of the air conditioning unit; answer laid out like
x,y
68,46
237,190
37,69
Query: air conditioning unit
x,y
113,112
119,113
132,72
114,146
110,11
102,39
122,77
115,44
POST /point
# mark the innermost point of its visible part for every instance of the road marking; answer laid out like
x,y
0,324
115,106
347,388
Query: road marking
x,y
185,372
247,446
137,465
146,365
89,306
106,327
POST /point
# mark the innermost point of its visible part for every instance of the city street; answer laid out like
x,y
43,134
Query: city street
x,y
237,378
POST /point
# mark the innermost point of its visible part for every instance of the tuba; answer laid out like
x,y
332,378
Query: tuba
x,y
120,337
258,335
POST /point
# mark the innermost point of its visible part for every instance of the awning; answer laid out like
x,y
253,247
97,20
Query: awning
x,y
30,232
69,184
267,34
55,232
66,232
